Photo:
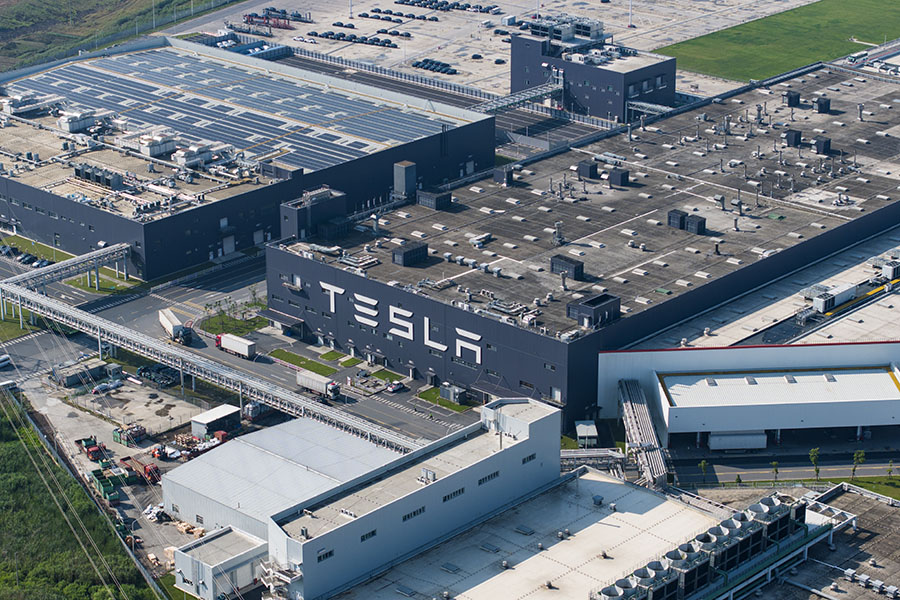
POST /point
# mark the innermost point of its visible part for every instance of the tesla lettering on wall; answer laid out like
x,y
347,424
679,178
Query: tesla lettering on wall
x,y
401,322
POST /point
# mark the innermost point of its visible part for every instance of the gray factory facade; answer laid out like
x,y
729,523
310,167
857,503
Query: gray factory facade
x,y
139,156
600,78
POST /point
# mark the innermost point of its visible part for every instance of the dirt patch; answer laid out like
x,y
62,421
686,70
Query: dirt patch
x,y
164,411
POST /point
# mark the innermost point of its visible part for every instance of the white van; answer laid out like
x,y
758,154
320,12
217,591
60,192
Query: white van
x,y
5,361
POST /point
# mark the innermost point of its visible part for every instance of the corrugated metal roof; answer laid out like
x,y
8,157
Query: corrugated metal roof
x,y
267,471
214,414
781,387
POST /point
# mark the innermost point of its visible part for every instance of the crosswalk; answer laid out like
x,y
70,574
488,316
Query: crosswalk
x,y
23,338
408,409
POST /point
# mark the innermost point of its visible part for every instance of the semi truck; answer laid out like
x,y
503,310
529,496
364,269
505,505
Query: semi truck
x,y
325,387
236,345
176,330
253,411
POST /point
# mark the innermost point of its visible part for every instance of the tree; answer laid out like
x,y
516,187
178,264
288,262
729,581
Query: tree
x,y
814,459
703,467
774,465
859,457
737,479
890,469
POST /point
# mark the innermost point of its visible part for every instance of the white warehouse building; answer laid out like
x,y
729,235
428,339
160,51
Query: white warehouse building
x,y
313,510
745,397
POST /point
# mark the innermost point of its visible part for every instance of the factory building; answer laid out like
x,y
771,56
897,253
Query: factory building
x,y
185,151
600,79
510,289
335,509
753,397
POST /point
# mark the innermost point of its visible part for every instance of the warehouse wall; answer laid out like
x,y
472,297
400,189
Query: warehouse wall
x,y
183,503
396,539
71,226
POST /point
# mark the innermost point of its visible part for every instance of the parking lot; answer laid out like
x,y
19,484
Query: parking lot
x,y
458,35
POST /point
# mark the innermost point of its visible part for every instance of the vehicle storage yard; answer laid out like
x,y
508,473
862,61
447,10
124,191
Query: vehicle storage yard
x,y
460,34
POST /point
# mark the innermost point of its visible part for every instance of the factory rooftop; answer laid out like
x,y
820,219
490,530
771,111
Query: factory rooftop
x,y
273,469
184,108
790,386
407,477
222,545
620,232
643,526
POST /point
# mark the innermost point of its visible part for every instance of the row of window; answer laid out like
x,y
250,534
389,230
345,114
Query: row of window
x,y
490,477
454,494
326,554
414,514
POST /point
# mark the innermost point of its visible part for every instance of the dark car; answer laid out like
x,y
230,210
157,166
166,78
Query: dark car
x,y
337,24
376,10
422,18
313,34
364,15
406,34
477,57
433,19
410,16
382,31
500,61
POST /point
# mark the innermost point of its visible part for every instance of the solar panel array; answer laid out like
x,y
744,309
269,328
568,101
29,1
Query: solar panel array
x,y
205,100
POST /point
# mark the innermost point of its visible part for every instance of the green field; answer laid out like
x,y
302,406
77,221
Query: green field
x,y
40,556
798,37
227,324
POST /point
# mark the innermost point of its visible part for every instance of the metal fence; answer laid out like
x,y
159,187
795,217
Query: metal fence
x,y
449,86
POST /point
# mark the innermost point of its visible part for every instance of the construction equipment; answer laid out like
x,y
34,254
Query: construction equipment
x,y
177,331
149,471
91,448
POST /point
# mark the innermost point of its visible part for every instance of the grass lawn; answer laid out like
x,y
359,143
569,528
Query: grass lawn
x,y
333,355
433,395
386,375
9,327
785,41
226,324
167,583
303,362
567,443
106,286
351,362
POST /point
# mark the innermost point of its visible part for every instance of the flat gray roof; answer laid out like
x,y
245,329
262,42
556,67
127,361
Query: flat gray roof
x,y
644,526
217,548
262,473
621,233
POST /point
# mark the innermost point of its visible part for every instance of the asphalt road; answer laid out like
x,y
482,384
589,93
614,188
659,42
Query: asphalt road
x,y
400,412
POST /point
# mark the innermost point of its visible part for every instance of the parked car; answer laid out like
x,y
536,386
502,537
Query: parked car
x,y
394,387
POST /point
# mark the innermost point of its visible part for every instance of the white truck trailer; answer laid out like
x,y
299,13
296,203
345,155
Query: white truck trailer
x,y
319,384
236,345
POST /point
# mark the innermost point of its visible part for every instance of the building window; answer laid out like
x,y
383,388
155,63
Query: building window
x,y
324,555
52,215
13,201
368,536
199,519
90,227
526,385
414,513
529,458
661,81
490,477
462,362
294,304
26,206
454,494
434,352
549,367
284,277
276,298
647,85
492,372
632,90
40,210
310,309
491,347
